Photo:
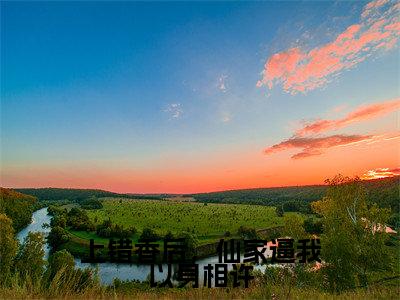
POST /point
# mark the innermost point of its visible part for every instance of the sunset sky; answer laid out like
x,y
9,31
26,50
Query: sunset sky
x,y
194,97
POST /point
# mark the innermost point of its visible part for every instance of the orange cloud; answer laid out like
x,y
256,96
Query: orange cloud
x,y
312,146
300,71
381,173
360,114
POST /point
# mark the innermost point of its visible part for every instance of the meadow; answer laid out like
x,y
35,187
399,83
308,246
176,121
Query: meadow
x,y
205,220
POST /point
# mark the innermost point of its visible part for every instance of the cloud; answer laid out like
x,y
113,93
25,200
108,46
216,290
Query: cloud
x,y
299,70
339,108
226,117
222,83
381,173
175,110
361,113
311,146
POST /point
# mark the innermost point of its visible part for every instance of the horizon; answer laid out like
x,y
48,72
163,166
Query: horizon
x,y
184,98
180,194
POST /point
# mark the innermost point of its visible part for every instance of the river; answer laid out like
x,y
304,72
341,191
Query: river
x,y
108,271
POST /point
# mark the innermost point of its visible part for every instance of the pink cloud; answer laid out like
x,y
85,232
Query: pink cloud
x,y
311,146
360,114
381,173
299,70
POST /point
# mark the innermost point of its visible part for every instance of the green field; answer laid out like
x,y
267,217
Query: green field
x,y
205,220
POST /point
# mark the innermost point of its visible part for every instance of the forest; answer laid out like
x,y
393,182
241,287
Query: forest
x,y
19,207
384,192
77,195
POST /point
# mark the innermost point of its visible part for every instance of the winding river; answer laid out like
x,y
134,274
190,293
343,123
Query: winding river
x,y
109,271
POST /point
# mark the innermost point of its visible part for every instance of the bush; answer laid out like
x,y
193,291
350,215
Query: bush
x,y
312,226
57,237
169,235
58,220
279,211
92,203
29,261
247,232
79,220
107,229
149,234
58,260
191,243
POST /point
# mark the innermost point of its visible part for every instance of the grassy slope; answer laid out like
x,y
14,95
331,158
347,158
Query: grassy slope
x,y
209,222
204,220
384,191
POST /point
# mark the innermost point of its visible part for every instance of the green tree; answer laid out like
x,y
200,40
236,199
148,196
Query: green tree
x,y
313,226
149,233
64,279
293,226
247,232
17,206
59,220
353,243
191,243
57,237
60,260
8,247
30,258
279,211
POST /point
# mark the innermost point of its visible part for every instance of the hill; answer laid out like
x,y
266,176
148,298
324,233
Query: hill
x,y
384,192
17,206
76,195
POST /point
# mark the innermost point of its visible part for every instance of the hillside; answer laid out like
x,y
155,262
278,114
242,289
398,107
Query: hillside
x,y
75,195
17,206
384,192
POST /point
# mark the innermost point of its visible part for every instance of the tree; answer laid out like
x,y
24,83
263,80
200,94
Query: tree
x,y
279,211
8,247
59,220
30,258
312,226
191,243
247,232
353,244
60,260
18,207
293,226
63,277
78,219
92,203
57,237
168,235
149,234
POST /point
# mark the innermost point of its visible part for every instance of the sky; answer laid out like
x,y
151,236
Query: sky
x,y
179,97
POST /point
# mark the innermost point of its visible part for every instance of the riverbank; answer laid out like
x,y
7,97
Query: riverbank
x,y
109,271
79,247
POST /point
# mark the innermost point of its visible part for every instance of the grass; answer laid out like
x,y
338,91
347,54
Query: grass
x,y
208,221
205,220
63,286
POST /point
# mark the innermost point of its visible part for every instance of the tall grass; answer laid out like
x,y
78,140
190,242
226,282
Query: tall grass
x,y
65,285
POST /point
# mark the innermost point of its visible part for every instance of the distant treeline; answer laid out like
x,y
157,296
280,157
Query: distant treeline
x,y
289,198
79,195
385,192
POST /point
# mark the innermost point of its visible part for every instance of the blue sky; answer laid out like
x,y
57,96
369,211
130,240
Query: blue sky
x,y
154,88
